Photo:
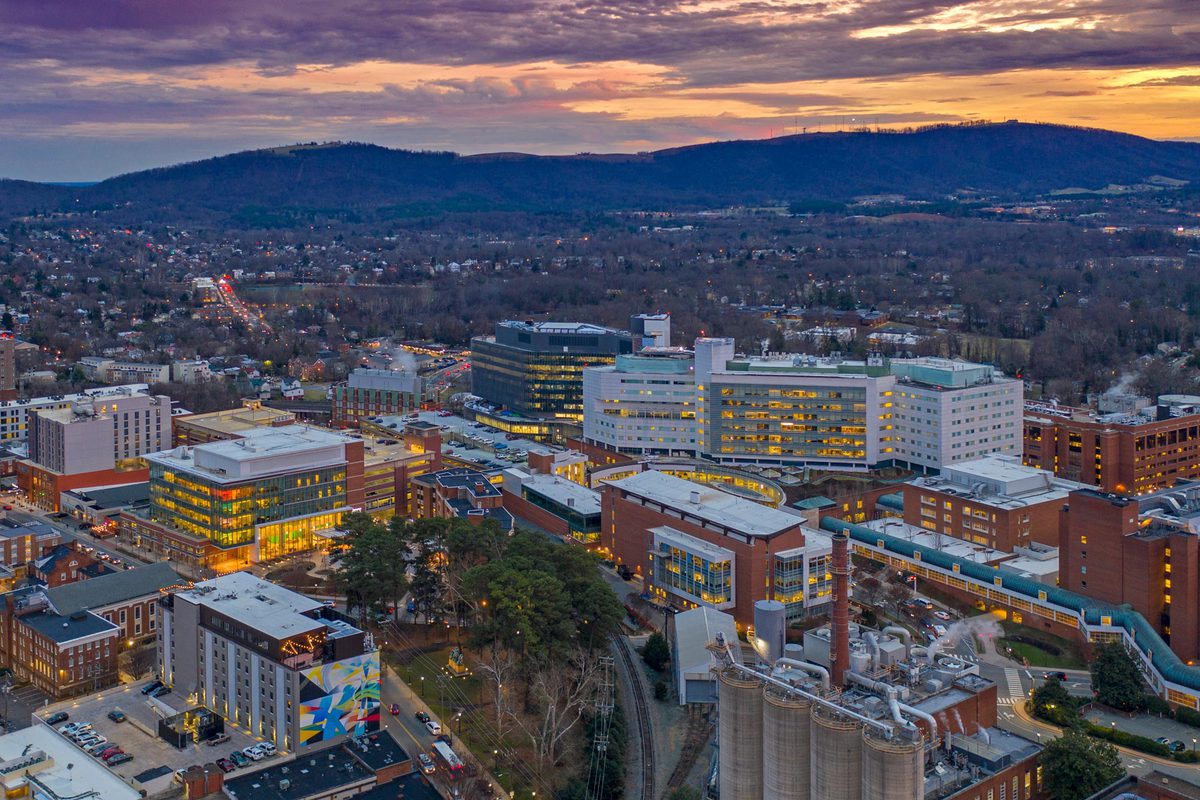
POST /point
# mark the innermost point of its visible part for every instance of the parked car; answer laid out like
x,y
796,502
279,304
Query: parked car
x,y
1055,675
426,764
266,748
109,751
1177,746
97,749
942,615
252,753
225,765
216,739
395,709
433,726
57,717
160,691
238,758
151,686
422,717
119,758
117,715
1163,740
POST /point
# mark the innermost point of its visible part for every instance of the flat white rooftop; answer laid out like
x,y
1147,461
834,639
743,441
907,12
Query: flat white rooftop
x,y
561,490
268,607
259,453
944,543
999,480
64,770
708,503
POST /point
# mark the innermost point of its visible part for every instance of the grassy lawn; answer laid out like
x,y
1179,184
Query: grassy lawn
x,y
1040,648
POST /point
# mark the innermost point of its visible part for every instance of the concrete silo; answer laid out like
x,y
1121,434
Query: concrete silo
x,y
740,735
892,769
786,753
836,747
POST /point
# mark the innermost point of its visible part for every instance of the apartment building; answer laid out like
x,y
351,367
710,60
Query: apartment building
x,y
536,368
1127,453
994,501
694,545
95,442
278,665
946,411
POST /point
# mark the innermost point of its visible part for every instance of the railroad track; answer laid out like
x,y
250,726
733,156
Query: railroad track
x,y
642,713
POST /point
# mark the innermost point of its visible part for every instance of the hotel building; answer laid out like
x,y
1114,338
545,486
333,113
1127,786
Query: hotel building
x,y
14,414
273,663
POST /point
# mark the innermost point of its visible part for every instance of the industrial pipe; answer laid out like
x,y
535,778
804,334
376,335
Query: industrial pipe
x,y
933,726
726,660
874,686
873,646
903,634
815,669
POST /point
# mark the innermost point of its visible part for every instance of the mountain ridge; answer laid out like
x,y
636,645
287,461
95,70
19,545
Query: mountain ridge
x,y
1005,160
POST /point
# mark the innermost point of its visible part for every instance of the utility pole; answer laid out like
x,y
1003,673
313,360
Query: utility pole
x,y
604,706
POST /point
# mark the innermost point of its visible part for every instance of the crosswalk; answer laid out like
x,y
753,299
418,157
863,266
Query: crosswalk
x,y
1015,690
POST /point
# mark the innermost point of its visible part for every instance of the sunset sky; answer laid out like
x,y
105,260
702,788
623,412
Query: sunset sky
x,y
93,88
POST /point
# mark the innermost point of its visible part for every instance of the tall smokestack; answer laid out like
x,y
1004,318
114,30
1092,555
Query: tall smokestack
x,y
840,629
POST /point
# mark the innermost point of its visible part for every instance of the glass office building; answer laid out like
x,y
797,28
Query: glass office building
x,y
536,368
270,491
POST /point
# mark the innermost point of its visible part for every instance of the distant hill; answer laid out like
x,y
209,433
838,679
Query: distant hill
x,y
286,184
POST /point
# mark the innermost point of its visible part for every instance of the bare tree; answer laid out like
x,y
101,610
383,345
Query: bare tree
x,y
561,695
501,667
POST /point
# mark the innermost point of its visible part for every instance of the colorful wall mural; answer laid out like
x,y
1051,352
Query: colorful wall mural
x,y
339,699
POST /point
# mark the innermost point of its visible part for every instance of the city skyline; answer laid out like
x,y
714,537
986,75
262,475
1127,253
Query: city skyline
x,y
94,93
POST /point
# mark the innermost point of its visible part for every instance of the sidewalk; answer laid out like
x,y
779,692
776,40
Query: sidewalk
x,y
1053,732
416,703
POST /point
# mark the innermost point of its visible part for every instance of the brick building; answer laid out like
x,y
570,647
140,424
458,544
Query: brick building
x,y
374,393
693,544
23,543
993,501
65,640
65,564
1123,453
459,492
1141,551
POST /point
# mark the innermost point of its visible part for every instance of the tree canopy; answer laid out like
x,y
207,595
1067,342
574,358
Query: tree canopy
x,y
1116,678
1076,766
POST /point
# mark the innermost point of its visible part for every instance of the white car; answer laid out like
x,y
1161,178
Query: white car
x,y
253,753
266,748
434,727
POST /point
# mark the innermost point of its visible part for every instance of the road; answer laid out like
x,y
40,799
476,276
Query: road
x,y
252,319
23,512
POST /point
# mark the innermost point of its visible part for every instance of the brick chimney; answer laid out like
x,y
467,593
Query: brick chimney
x,y
839,655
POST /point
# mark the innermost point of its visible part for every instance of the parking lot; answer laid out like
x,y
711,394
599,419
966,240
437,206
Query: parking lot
x,y
155,761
